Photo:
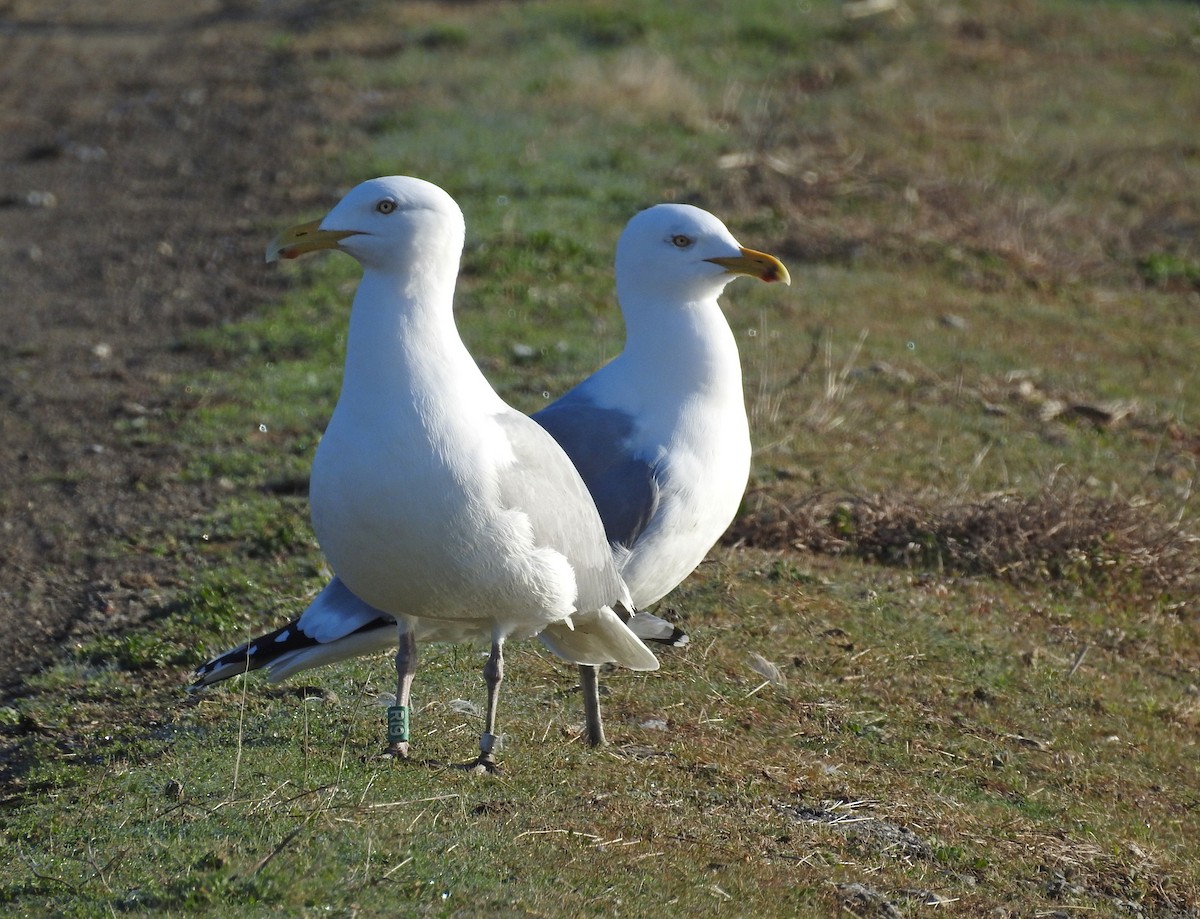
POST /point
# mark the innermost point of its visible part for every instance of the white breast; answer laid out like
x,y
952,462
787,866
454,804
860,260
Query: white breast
x,y
405,506
705,467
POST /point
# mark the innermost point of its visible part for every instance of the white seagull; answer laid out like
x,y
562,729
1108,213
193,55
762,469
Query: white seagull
x,y
659,435
434,501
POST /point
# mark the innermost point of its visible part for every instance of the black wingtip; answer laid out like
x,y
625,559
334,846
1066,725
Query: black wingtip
x,y
253,655
677,639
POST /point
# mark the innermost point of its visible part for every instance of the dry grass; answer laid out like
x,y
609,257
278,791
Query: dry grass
x,y
1060,535
635,85
1014,178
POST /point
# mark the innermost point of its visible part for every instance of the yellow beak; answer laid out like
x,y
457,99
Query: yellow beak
x,y
755,264
305,238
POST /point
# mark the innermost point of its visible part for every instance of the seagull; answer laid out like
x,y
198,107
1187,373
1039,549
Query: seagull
x,y
659,436
433,501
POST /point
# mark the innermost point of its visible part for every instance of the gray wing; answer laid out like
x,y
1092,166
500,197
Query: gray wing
x,y
543,484
625,486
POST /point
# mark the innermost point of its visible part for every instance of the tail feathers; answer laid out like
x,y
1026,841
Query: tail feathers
x,y
598,638
649,627
289,650
374,638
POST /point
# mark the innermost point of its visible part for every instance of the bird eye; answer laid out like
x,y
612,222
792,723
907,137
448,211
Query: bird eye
x,y
386,206
679,241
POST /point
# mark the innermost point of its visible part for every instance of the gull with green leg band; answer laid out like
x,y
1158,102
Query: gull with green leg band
x,y
444,512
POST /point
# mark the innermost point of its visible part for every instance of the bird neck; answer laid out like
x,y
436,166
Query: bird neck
x,y
402,340
690,344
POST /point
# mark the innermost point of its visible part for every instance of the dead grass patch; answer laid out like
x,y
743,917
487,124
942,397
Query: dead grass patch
x,y
1017,179
1061,535
636,83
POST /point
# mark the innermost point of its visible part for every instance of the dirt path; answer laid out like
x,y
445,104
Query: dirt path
x,y
145,149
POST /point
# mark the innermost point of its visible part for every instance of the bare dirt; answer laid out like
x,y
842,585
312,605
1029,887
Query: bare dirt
x,y
146,148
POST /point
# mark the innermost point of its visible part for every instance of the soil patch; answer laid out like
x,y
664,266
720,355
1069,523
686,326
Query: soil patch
x,y
147,151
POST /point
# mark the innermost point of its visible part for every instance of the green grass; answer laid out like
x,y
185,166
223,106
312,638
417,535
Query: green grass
x,y
986,211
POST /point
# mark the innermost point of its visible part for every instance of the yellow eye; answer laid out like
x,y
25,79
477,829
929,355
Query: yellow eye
x,y
680,241
386,206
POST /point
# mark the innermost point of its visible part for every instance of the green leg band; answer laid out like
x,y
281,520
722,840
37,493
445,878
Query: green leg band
x,y
397,724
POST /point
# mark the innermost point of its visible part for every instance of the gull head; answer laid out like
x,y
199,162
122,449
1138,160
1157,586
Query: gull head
x,y
393,223
677,251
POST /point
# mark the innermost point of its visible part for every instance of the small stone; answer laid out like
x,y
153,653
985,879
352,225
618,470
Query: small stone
x,y
951,321
45,199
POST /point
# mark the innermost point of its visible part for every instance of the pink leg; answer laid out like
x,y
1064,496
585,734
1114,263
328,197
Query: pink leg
x,y
590,686
398,714
493,675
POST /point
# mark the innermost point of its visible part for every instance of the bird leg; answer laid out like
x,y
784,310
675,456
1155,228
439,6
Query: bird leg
x,y
493,675
397,715
590,686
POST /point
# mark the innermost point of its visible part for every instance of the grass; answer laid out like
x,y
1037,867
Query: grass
x,y
968,548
